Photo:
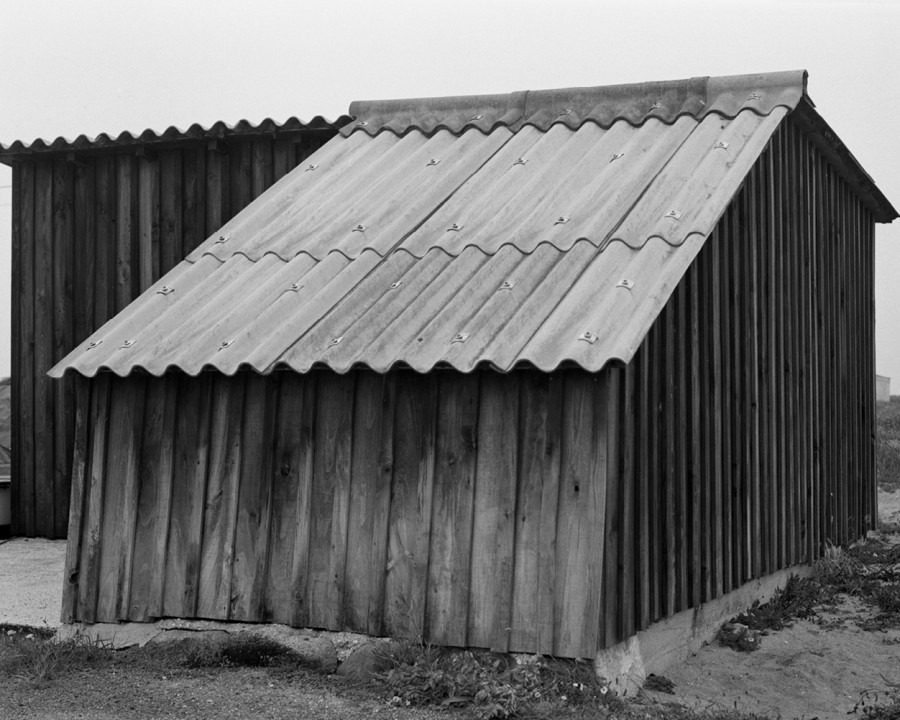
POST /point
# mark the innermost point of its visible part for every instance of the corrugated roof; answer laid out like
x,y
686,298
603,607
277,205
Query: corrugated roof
x,y
171,135
423,239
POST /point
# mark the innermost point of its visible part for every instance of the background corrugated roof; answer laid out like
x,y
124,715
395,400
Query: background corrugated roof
x,y
171,135
427,243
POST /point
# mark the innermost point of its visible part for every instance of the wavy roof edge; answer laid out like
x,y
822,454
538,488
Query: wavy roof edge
x,y
172,134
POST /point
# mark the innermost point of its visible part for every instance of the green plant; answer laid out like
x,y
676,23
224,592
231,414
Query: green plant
x,y
39,660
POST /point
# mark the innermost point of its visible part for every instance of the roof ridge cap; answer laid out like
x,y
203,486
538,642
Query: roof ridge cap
x,y
665,100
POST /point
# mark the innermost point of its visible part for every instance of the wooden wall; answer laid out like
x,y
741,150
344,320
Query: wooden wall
x,y
90,232
750,405
468,509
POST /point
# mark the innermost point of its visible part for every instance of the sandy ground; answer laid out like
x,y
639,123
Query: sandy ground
x,y
31,573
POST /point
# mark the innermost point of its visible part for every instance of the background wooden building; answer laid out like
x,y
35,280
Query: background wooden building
x,y
96,221
525,371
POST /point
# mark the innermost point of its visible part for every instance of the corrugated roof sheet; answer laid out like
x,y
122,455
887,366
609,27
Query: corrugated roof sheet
x,y
423,240
171,135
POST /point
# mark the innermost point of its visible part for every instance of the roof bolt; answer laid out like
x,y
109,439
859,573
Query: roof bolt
x,y
460,338
476,117
165,290
395,285
754,96
521,161
433,161
625,283
361,123
675,214
127,344
617,156
225,344
721,145
311,167
335,341
454,228
360,228
588,337
565,111
656,106
93,344
295,287
222,239
562,220
507,284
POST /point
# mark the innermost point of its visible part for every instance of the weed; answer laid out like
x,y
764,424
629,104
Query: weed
x,y
489,685
40,660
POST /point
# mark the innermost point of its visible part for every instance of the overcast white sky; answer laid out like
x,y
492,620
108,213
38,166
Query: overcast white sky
x,y
88,67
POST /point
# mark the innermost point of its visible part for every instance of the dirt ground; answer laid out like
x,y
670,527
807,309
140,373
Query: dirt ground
x,y
31,571
811,670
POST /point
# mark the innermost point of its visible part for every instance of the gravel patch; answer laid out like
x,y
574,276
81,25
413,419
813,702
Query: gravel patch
x,y
31,576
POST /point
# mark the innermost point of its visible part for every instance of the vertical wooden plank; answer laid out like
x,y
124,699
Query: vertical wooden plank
x,y
751,339
299,452
581,515
63,341
643,472
85,250
105,218
146,528
188,495
699,492
75,536
261,175
682,446
217,202
670,507
170,218
148,221
538,495
221,507
282,158
411,505
89,565
727,395
493,532
717,436
254,506
381,508
18,286
123,452
656,528
126,231
193,211
625,436
365,469
452,510
240,162
158,472
330,500
44,317
22,489
610,618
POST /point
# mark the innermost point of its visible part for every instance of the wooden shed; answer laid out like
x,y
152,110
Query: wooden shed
x,y
96,221
526,372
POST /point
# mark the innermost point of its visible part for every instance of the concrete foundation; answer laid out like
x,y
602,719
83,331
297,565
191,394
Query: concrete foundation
x,y
625,666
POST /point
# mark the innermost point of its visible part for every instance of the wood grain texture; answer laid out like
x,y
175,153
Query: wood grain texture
x,y
411,499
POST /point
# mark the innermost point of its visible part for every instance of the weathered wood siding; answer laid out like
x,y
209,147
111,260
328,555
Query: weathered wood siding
x,y
90,232
749,409
468,509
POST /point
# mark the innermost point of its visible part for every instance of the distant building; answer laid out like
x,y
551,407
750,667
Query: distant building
x,y
882,388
